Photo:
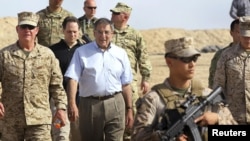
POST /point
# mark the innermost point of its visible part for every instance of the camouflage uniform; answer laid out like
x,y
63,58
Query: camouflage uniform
x,y
132,41
50,32
50,26
214,63
233,73
87,26
165,96
153,105
26,83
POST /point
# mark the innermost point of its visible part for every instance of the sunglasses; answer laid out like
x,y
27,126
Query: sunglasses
x,y
116,13
185,59
89,7
25,26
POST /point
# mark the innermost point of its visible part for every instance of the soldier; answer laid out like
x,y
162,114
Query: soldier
x,y
234,32
64,51
50,32
88,19
233,73
132,41
180,58
29,72
50,23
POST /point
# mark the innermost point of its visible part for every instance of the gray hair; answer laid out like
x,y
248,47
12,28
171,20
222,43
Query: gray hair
x,y
104,21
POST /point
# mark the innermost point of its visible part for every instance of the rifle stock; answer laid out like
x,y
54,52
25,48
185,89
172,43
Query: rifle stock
x,y
192,111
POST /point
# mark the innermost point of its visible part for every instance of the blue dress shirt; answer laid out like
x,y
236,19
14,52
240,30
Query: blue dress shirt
x,y
98,72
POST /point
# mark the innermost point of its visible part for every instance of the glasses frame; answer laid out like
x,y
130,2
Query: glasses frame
x,y
25,26
186,60
91,7
103,32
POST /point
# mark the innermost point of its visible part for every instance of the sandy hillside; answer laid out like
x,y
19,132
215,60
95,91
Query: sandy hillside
x,y
155,39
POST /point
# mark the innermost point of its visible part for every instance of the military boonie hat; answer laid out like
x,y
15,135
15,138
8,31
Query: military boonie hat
x,y
245,26
181,47
121,7
28,18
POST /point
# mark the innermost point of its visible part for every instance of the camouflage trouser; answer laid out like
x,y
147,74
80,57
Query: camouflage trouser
x,y
32,133
135,96
61,134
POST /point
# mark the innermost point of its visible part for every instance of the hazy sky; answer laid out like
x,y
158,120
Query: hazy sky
x,y
146,14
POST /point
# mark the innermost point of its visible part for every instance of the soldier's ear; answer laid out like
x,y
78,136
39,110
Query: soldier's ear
x,y
36,30
168,61
16,28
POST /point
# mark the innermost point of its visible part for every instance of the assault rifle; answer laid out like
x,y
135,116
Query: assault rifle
x,y
192,111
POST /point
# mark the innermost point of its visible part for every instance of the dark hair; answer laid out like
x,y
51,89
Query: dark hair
x,y
70,19
166,55
103,21
233,23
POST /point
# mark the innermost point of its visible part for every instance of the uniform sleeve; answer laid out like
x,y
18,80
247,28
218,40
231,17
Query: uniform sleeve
x,y
233,10
56,89
225,116
212,68
143,59
220,74
146,118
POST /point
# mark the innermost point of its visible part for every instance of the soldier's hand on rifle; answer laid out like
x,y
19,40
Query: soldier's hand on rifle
x,y
1,110
182,137
208,118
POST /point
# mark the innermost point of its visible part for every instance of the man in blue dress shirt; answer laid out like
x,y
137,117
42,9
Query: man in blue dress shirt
x,y
103,73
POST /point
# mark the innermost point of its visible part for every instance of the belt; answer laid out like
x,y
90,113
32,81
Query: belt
x,y
103,97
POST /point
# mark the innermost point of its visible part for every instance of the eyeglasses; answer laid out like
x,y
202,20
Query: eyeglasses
x,y
25,26
103,32
116,13
186,59
89,7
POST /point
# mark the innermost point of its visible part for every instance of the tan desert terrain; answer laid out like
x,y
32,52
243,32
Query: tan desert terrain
x,y
155,39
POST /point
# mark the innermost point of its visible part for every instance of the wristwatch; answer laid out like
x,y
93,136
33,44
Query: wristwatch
x,y
128,107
